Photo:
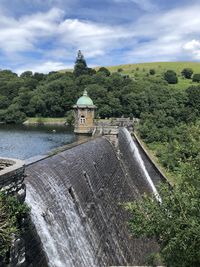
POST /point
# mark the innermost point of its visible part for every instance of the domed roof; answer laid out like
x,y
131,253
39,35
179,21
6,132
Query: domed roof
x,y
84,100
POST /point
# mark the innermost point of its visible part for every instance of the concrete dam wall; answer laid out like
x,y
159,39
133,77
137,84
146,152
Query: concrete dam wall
x,y
76,199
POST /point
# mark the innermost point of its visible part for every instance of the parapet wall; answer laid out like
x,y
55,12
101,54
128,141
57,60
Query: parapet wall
x,y
12,177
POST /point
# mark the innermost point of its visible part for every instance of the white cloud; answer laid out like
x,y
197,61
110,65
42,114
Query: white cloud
x,y
24,33
93,38
164,36
146,5
44,67
28,32
193,47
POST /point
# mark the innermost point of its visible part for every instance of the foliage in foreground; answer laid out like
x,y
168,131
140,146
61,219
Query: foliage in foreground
x,y
175,223
11,214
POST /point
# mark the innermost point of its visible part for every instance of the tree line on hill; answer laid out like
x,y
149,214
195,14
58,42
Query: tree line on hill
x,y
54,94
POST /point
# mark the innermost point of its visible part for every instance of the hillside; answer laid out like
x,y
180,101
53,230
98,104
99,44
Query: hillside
x,y
158,66
141,70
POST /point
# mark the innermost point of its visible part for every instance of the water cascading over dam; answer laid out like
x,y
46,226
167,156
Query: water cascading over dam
x,y
76,199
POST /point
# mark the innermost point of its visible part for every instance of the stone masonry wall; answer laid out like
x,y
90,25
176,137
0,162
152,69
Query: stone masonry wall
x,y
26,250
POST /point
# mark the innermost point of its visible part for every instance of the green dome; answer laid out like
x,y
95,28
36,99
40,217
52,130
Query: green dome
x,y
85,100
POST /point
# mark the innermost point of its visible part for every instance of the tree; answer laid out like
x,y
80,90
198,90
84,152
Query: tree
x,y
80,65
196,78
152,72
70,119
105,111
120,70
27,74
174,222
193,93
37,106
105,71
91,71
39,76
187,73
14,115
3,102
170,76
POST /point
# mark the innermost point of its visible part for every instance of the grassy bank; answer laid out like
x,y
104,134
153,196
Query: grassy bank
x,y
158,66
46,121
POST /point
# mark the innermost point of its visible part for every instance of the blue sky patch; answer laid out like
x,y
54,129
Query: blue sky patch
x,y
43,36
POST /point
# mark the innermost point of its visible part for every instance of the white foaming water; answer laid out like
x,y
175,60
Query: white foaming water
x,y
137,156
59,226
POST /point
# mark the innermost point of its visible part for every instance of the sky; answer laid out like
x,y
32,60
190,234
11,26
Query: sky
x,y
45,35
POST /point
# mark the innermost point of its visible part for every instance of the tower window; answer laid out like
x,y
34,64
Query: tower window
x,y
82,119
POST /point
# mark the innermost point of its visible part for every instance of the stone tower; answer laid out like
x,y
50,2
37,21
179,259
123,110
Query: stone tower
x,y
84,114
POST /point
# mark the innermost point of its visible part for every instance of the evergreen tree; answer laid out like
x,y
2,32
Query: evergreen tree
x,y
80,65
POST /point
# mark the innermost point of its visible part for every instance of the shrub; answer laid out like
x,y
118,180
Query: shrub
x,y
120,70
12,213
187,73
152,71
105,71
196,78
171,77
70,117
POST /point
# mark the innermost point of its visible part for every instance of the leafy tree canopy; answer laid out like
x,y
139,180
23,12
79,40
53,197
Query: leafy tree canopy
x,y
171,77
105,71
152,71
196,77
187,73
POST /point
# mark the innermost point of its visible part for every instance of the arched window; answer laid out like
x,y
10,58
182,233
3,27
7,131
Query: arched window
x,y
82,119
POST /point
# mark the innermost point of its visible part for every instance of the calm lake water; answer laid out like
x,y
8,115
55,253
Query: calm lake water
x,y
24,142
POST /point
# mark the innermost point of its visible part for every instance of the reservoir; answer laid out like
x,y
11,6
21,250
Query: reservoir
x,y
23,142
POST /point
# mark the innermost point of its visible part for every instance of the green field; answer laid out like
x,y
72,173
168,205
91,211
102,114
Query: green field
x,y
138,71
160,67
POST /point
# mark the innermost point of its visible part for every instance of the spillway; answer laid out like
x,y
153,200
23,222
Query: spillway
x,y
76,202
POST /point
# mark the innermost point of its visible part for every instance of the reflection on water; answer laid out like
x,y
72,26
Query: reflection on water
x,y
24,142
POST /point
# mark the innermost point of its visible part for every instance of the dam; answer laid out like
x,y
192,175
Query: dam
x,y
77,197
